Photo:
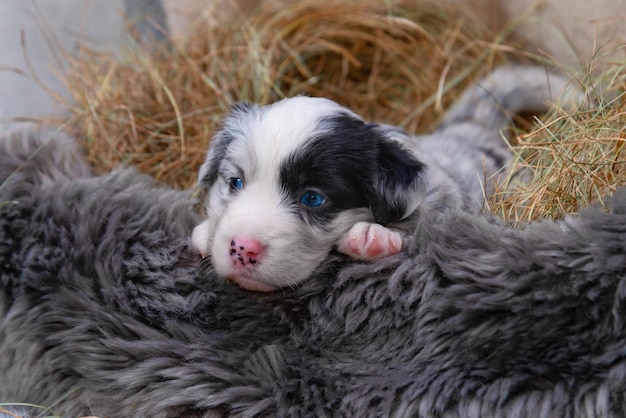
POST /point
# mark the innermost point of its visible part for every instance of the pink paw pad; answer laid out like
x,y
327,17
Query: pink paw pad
x,y
369,242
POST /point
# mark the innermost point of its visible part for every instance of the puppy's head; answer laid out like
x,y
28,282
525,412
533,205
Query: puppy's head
x,y
285,181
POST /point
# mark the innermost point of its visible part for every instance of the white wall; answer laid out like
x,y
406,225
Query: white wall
x,y
98,22
572,31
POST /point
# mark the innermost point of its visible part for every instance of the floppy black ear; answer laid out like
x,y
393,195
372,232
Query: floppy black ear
x,y
399,182
233,126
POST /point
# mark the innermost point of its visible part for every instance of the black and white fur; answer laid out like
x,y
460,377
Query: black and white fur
x,y
289,182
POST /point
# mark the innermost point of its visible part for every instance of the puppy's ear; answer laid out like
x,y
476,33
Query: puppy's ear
x,y
400,181
233,126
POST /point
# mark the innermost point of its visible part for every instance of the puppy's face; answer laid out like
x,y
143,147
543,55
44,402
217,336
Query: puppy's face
x,y
285,181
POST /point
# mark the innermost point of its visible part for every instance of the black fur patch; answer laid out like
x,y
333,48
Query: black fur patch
x,y
398,176
353,165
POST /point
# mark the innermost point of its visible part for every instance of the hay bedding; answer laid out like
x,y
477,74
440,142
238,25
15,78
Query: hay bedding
x,y
392,62
104,313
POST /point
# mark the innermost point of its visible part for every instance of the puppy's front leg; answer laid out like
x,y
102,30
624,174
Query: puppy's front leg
x,y
369,242
200,238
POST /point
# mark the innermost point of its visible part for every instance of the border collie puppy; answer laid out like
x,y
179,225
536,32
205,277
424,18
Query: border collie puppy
x,y
288,182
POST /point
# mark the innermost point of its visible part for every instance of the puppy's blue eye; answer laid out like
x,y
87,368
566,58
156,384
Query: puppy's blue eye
x,y
312,199
236,184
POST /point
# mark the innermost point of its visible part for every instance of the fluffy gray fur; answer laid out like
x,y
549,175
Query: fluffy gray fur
x,y
39,155
104,312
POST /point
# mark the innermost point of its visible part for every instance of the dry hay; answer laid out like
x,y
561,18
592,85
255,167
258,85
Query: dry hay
x,y
394,62
569,161
391,64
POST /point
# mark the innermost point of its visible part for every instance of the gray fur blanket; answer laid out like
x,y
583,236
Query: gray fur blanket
x,y
103,311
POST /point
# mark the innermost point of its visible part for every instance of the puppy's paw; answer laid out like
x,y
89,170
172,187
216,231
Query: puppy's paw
x,y
200,238
369,242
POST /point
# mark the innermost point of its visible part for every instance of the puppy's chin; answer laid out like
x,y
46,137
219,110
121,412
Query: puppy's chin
x,y
268,275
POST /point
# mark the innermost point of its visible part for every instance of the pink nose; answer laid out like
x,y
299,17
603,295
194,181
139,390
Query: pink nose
x,y
245,250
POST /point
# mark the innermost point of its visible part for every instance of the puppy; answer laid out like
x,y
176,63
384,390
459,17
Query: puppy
x,y
288,182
